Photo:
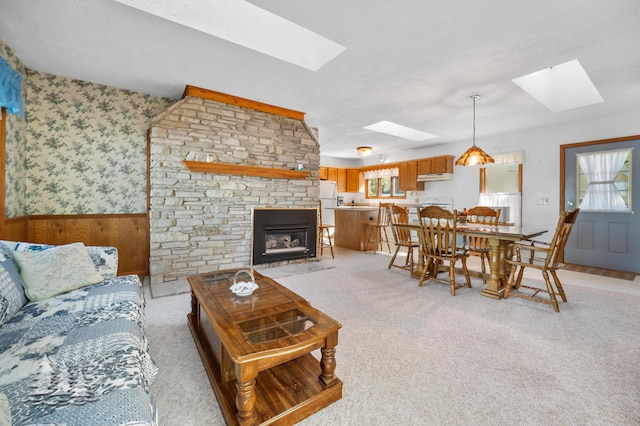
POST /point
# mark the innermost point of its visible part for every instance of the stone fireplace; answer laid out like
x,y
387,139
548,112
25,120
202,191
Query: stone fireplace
x,y
216,158
283,234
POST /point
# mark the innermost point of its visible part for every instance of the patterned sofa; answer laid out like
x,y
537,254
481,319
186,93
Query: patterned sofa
x,y
73,349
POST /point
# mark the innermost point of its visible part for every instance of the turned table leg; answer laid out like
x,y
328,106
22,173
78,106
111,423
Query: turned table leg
x,y
246,394
494,285
328,360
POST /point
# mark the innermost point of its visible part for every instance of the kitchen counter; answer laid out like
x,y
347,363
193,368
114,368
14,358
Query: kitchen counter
x,y
352,226
358,208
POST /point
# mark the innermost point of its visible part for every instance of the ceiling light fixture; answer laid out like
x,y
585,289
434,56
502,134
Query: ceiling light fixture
x,y
364,151
474,155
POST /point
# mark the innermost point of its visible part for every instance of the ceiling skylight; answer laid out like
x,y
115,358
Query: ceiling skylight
x,y
245,24
562,87
400,131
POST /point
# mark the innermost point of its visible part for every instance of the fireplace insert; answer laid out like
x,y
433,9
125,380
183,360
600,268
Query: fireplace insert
x,y
283,234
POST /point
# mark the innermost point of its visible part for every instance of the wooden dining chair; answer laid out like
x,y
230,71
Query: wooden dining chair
x,y
325,231
402,237
378,230
480,245
438,244
544,257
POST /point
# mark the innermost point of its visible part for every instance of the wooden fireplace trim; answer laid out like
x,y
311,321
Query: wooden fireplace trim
x,y
211,95
237,169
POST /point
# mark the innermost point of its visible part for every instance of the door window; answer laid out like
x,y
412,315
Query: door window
x,y
604,180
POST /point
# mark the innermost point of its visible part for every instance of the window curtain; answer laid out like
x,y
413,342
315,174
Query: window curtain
x,y
511,200
601,169
381,173
10,89
506,158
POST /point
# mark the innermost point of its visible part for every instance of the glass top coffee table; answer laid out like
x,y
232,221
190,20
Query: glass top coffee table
x,y
257,349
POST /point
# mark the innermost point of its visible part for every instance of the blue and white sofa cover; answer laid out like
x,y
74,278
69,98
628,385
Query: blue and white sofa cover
x,y
79,357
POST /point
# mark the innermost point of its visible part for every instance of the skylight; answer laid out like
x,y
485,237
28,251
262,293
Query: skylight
x,y
562,87
245,24
400,131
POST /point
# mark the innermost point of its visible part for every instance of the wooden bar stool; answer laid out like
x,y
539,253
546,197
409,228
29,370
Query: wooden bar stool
x,y
378,232
325,230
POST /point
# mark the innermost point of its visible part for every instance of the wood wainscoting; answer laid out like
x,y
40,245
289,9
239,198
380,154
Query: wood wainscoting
x,y
129,233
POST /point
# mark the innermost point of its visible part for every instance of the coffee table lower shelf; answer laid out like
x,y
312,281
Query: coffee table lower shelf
x,y
285,394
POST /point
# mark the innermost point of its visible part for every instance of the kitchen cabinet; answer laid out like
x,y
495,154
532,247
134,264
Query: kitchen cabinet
x,y
348,180
353,180
408,177
329,173
342,180
323,173
332,174
441,164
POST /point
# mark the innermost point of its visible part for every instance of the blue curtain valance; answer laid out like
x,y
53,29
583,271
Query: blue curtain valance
x,y
10,89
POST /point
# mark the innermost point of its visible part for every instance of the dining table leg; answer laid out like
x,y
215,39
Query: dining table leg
x,y
497,256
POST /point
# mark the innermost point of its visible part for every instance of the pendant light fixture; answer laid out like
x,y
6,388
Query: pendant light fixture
x,y
474,155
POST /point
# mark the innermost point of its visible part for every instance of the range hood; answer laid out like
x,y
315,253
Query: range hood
x,y
435,176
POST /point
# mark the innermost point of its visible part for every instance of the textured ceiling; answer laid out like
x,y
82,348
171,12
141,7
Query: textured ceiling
x,y
413,62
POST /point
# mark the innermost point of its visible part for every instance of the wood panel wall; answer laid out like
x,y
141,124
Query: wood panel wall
x,y
129,233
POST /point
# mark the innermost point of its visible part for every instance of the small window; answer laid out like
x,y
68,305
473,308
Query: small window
x,y
604,180
384,187
503,179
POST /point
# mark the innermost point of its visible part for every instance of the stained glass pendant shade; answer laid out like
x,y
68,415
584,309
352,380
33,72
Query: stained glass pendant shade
x,y
474,155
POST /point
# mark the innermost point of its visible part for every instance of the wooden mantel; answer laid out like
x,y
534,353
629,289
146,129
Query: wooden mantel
x,y
237,169
199,92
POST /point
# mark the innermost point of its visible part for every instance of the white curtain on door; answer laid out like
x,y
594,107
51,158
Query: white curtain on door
x,y
601,169
503,199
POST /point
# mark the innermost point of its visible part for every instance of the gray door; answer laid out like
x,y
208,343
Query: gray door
x,y
603,240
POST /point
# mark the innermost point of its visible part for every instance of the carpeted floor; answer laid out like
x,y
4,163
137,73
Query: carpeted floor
x,y
416,355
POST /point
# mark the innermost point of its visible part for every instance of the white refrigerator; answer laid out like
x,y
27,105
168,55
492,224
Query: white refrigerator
x,y
328,197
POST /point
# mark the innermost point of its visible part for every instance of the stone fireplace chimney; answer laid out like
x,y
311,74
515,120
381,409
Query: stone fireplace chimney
x,y
201,220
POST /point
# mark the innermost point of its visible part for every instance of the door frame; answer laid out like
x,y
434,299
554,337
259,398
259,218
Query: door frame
x,y
564,147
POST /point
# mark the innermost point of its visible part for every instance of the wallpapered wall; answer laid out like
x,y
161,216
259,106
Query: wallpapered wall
x,y
86,146
16,138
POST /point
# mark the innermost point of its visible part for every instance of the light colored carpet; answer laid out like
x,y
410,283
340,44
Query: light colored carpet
x,y
416,355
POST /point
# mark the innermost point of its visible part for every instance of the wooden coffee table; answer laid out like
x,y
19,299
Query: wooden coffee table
x,y
257,350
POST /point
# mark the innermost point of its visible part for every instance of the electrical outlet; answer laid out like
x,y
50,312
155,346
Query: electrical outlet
x,y
543,201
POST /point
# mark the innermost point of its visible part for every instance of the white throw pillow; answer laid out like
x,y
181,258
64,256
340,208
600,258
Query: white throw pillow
x,y
55,270
5,411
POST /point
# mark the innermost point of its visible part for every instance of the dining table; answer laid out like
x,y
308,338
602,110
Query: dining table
x,y
498,236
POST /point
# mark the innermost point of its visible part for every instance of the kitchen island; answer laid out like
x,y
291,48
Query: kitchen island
x,y
352,226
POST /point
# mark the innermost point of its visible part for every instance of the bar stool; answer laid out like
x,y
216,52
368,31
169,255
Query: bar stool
x,y
378,232
325,230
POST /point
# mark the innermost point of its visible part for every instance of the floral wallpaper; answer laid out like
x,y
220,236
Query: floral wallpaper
x,y
16,142
86,146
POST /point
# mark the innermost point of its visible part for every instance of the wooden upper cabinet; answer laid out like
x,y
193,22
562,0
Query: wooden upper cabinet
x,y
408,176
328,173
441,164
353,180
323,173
424,166
332,174
341,180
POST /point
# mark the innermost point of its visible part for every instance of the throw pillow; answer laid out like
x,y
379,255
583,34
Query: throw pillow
x,y
12,296
56,270
5,411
